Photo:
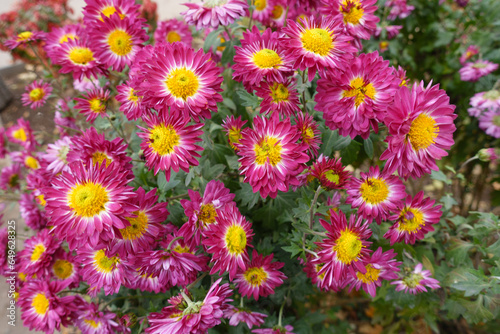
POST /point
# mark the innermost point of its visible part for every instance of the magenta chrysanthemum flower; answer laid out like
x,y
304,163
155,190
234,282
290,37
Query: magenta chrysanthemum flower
x,y
345,247
483,101
275,330
279,97
76,57
312,267
144,282
357,15
380,266
420,122
310,134
64,268
261,276
398,9
10,177
315,44
237,315
227,241
413,219
375,194
169,142
116,41
212,13
261,57
23,38
22,134
130,102
92,321
31,213
36,257
88,204
391,31
279,13
416,281
172,31
263,11
233,128
93,104
490,122
60,35
271,159
96,10
182,79
355,97
330,173
471,51
474,71
36,94
56,154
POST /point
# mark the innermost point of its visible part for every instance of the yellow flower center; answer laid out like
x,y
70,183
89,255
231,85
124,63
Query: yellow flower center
x,y
207,214
318,41
277,12
318,269
413,280
37,252
31,162
266,58
37,94
411,220
423,132
103,263
268,151
236,239
370,276
120,42
132,96
352,11
374,190
99,157
108,11
307,134
81,55
360,90
182,83
41,200
66,37
138,225
20,134
25,35
88,199
163,139
255,276
62,269
260,5
279,92
14,180
332,177
92,323
173,36
234,136
40,303
180,249
348,246
22,276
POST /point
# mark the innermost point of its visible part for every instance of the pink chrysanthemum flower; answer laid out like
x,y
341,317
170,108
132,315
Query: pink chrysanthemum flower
x,y
36,257
345,247
330,173
212,13
36,94
130,102
42,309
275,330
76,57
172,31
380,266
261,276
23,38
90,320
420,123
315,44
30,160
96,10
227,241
357,15
88,204
169,142
116,41
271,159
238,315
375,194
355,98
22,134
391,31
413,219
144,282
56,154
31,213
60,35
312,267
260,57
471,51
483,101
279,13
280,97
474,71
233,128
65,269
490,122
398,9
185,80
93,104
10,177
309,132
263,11
416,281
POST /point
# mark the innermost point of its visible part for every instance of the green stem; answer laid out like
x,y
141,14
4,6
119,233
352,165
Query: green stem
x,y
286,16
172,242
196,281
304,92
313,206
251,15
281,313
186,298
177,197
228,34
466,162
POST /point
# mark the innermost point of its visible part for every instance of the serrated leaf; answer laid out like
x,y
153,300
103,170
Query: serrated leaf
x,y
470,281
293,249
247,99
163,185
476,312
440,176
246,195
228,53
458,252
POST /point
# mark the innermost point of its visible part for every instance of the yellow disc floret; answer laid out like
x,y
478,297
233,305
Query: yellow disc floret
x,y
20,134
260,5
277,11
173,36
37,252
255,276
25,35
120,42
138,225
268,151
88,199
36,94
31,162
182,83
81,55
163,139
318,41
62,269
360,90
279,92
267,58
207,214
423,132
66,37
370,276
99,157
40,303
103,263
374,190
348,246
236,239
411,220
352,11
92,323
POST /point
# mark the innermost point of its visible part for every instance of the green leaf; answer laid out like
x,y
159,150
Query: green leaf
x,y
293,249
212,40
458,252
476,312
350,153
228,53
248,100
246,195
368,145
470,281
440,176
229,103
163,185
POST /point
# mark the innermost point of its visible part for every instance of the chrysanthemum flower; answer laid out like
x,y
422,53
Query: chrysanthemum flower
x,y
471,51
315,44
62,122
10,177
489,154
259,57
345,247
357,15
227,241
398,9
330,173
233,128
92,321
490,122
261,276
76,57
182,79
36,94
416,281
22,134
275,330
312,267
263,11
60,35
355,97
483,101
64,268
116,41
279,13
56,154
23,38
172,31
420,122
375,194
311,135
169,142
93,104
130,102
474,71
212,13
280,97
391,31
271,159
413,219
96,10
237,315
380,266
145,282
197,317
31,213
87,204
36,256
